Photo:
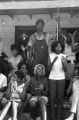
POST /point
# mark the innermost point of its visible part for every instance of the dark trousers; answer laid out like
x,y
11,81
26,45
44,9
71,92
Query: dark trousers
x,y
56,92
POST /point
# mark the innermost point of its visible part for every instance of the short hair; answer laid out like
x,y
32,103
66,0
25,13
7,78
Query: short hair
x,y
54,44
20,74
21,64
13,47
43,68
40,20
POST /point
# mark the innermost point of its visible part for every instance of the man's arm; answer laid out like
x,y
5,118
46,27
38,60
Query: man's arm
x,y
45,85
73,40
30,54
64,63
30,47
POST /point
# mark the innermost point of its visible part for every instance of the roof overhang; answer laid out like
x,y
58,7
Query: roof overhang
x,y
38,7
38,4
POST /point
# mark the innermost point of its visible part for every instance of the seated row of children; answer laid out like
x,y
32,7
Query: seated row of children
x,y
22,85
20,82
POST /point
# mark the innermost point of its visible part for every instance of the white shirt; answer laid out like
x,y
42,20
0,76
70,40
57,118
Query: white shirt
x,y
57,72
15,95
3,80
15,61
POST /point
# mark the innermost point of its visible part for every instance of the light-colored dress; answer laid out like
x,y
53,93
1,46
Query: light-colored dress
x,y
14,94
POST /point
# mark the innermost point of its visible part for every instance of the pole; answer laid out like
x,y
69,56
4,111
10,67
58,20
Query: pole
x,y
57,22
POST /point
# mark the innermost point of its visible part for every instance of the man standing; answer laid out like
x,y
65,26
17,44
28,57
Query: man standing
x,y
38,43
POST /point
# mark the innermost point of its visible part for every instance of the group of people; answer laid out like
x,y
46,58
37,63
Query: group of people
x,y
43,75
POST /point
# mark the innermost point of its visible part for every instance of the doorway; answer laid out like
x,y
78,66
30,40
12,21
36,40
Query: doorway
x,y
23,32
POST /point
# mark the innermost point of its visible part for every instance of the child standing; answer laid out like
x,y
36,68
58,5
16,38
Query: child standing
x,y
57,78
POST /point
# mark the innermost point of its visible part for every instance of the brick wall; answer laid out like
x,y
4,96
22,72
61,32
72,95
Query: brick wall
x,y
7,25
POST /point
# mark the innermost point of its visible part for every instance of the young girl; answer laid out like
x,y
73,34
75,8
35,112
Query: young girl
x,y
16,93
24,68
38,87
57,78
39,83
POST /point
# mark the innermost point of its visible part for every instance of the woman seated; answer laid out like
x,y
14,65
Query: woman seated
x,y
15,94
38,86
75,95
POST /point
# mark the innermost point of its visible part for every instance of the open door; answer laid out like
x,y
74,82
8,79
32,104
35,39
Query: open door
x,y
22,33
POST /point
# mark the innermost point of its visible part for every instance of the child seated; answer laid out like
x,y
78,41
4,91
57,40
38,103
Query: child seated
x,y
15,94
75,95
38,86
22,66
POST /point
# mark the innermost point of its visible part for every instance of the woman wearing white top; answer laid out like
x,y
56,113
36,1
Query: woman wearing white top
x,y
57,78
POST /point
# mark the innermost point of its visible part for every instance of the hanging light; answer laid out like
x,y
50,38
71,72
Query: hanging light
x,y
24,36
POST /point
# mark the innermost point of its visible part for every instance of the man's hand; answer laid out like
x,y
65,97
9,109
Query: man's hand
x,y
22,47
63,59
40,87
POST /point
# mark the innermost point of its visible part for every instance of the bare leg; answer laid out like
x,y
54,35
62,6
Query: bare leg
x,y
5,110
78,110
15,106
74,106
74,103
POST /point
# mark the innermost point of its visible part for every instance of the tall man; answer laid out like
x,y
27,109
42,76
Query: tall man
x,y
38,44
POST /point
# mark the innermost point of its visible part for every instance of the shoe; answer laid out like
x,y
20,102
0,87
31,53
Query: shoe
x,y
70,118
